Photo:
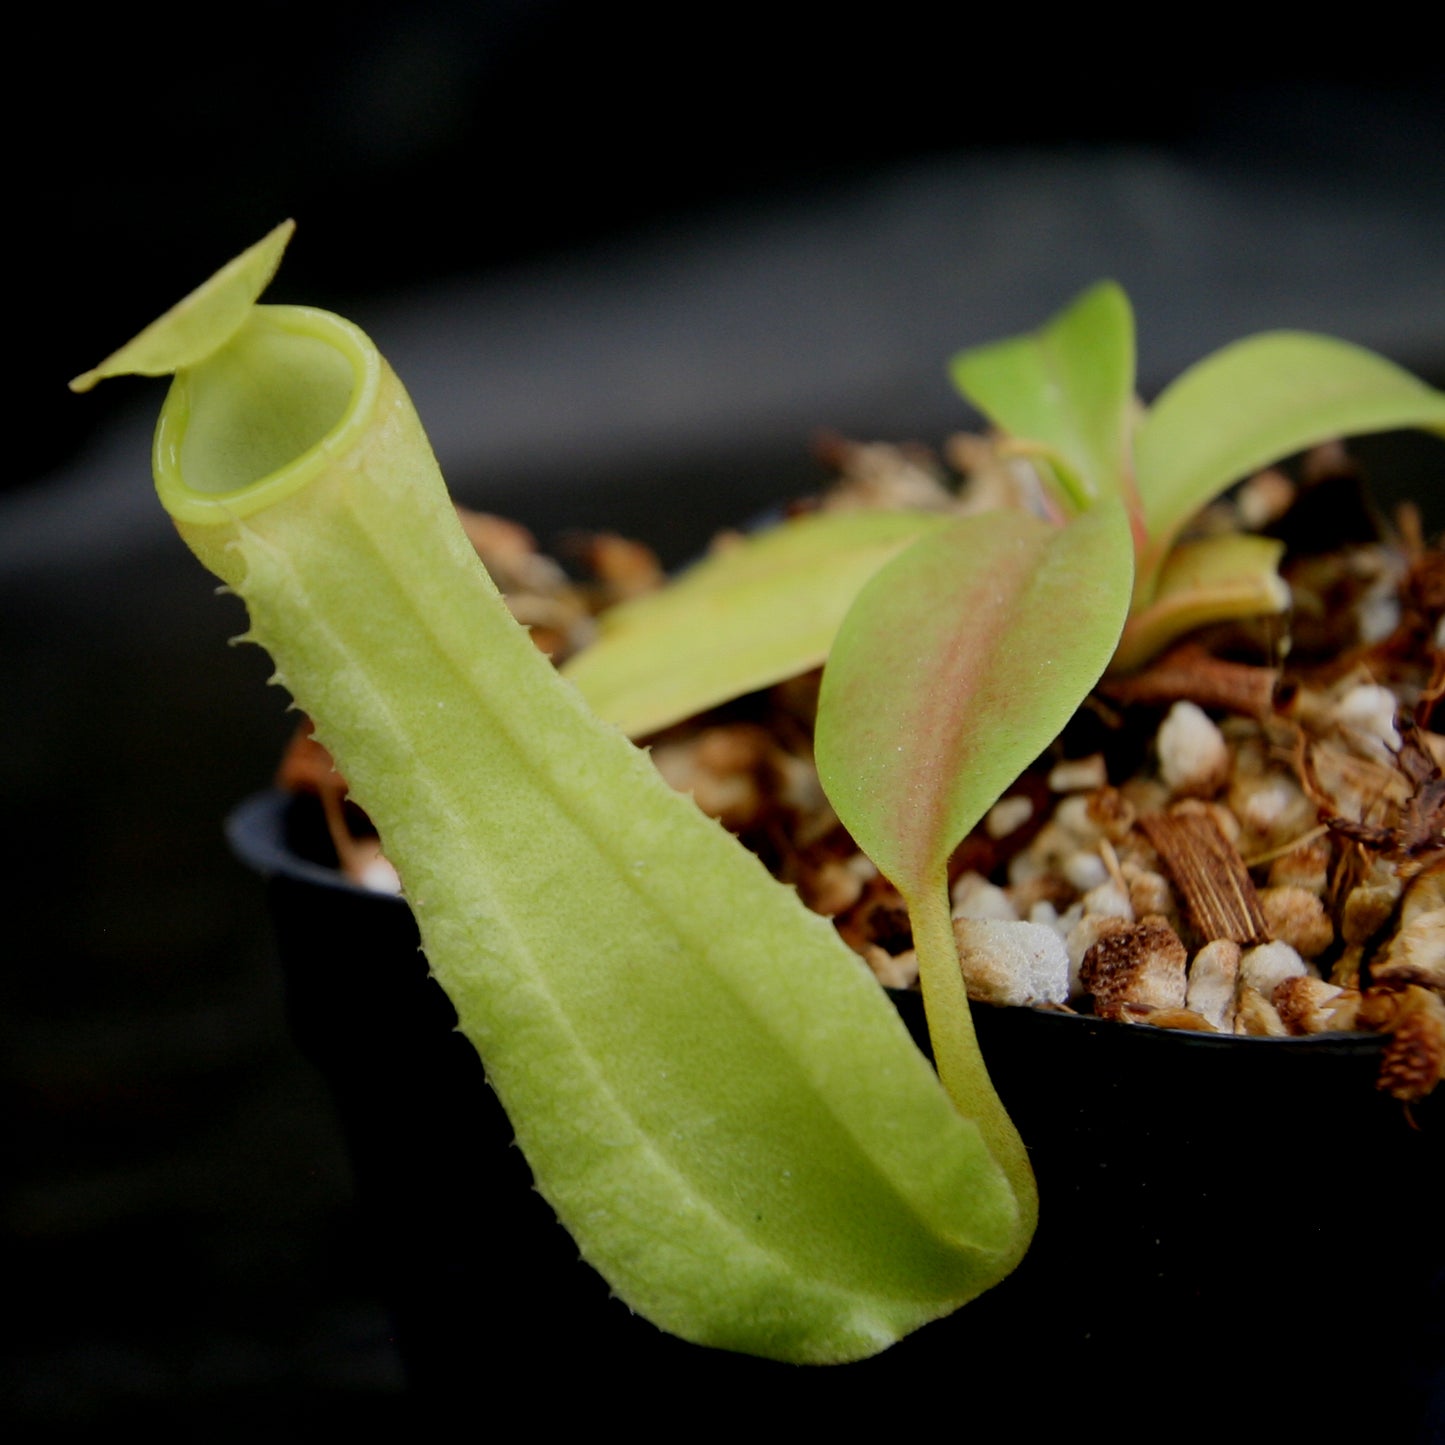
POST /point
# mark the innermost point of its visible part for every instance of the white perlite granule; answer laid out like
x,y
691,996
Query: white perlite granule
x,y
1193,757
1012,963
1368,711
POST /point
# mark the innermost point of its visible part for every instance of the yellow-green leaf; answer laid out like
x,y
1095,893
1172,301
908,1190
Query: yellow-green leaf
x,y
1211,580
752,614
1252,403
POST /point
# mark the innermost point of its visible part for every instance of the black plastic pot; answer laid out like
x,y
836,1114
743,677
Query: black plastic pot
x,y
1230,1228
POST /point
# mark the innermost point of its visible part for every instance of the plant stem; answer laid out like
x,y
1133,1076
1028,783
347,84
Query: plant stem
x,y
955,1046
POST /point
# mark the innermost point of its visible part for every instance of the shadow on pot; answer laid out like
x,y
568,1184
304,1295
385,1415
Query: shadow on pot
x,y
1231,1228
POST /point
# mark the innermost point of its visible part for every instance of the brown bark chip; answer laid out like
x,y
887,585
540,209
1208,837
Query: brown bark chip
x,y
1208,871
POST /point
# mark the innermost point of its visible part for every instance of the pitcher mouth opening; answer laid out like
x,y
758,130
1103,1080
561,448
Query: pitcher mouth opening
x,y
259,418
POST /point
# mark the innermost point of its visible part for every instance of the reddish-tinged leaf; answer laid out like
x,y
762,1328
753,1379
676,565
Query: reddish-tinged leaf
x,y
958,664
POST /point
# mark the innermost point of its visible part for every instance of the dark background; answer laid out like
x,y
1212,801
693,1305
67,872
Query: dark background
x,y
628,261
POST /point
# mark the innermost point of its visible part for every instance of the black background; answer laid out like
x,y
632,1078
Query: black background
x,y
629,260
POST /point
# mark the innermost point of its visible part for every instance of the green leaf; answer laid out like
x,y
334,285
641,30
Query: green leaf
x,y
752,614
710,1088
1067,390
1251,404
958,664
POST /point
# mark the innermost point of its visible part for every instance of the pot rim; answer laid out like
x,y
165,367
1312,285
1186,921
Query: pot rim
x,y
255,832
